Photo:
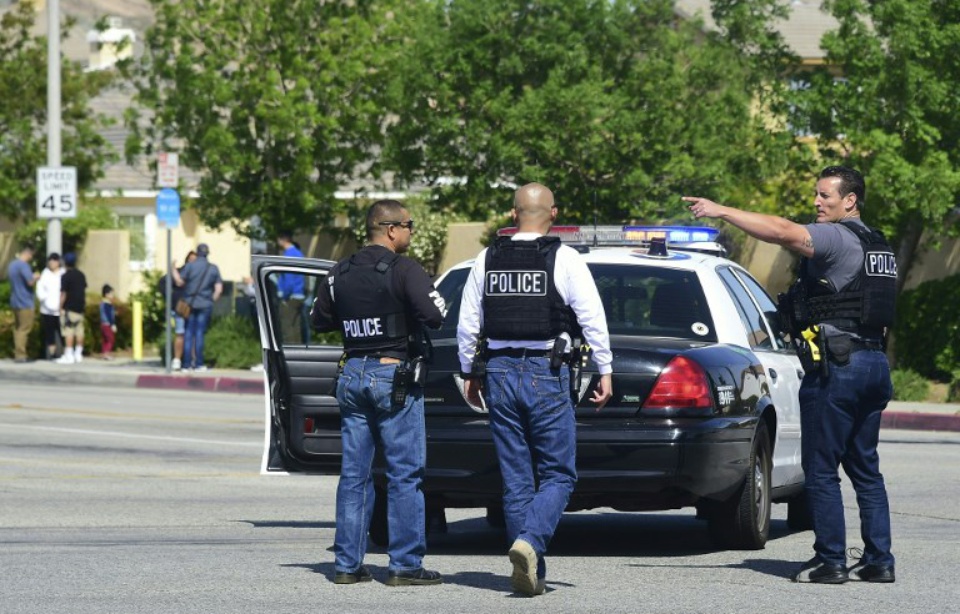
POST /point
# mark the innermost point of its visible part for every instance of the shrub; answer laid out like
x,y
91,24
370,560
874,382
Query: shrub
x,y
154,324
953,393
5,295
232,343
909,385
928,328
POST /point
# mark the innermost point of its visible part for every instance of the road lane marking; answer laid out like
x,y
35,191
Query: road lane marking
x,y
55,429
17,407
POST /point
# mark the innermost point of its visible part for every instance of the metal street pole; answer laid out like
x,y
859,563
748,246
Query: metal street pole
x,y
54,228
168,291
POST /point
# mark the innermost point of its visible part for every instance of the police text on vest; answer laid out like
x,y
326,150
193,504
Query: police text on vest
x,y
359,328
881,264
516,283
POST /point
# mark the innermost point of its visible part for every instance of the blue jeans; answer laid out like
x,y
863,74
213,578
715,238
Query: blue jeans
x,y
840,425
368,421
193,338
534,430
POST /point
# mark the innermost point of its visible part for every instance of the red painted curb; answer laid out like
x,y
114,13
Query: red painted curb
x,y
239,385
175,382
919,421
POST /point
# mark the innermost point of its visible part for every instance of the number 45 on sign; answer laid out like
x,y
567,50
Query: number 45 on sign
x,y
56,191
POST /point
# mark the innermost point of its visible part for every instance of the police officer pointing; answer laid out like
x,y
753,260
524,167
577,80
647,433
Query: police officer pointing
x,y
841,307
528,296
379,301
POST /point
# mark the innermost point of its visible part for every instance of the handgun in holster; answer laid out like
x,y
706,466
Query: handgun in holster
x,y
558,351
479,366
578,362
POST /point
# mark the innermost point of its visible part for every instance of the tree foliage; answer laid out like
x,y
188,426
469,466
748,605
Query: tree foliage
x,y
618,105
272,102
23,114
887,103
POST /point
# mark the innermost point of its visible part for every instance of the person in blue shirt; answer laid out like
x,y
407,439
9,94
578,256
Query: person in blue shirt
x,y
22,278
290,287
202,286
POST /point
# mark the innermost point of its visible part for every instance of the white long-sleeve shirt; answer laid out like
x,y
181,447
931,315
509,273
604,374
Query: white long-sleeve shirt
x,y
48,292
577,289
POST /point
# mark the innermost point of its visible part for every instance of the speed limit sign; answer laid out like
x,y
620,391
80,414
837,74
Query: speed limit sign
x,y
56,191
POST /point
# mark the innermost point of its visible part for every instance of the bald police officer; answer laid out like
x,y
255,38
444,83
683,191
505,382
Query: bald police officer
x,y
846,295
524,294
379,300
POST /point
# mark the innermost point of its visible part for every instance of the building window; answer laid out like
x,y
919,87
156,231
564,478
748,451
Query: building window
x,y
142,229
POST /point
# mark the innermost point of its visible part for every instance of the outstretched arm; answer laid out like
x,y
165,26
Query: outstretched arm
x,y
768,228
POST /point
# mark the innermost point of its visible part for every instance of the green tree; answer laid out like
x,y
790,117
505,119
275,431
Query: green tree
x,y
887,103
273,102
23,114
619,106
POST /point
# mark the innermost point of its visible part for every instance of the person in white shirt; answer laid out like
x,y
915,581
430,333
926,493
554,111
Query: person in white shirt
x,y
48,293
525,294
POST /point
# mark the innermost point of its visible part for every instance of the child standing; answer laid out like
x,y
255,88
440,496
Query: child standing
x,y
108,321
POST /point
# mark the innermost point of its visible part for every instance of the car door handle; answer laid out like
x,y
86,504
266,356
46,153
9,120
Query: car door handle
x,y
773,374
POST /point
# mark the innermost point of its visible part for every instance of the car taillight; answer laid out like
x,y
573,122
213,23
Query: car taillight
x,y
682,388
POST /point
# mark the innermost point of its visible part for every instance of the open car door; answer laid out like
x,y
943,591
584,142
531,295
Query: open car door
x,y
302,418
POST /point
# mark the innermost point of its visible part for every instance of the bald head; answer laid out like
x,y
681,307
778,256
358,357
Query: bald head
x,y
533,207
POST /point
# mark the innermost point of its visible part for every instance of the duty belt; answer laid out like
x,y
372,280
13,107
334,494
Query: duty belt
x,y
519,353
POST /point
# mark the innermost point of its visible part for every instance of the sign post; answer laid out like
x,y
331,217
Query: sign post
x,y
168,215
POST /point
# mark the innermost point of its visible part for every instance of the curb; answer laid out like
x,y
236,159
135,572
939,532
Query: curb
x,y
200,384
919,421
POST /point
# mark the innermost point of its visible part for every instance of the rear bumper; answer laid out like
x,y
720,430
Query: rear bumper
x,y
624,465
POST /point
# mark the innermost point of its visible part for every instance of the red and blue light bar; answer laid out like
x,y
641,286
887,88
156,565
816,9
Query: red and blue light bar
x,y
627,235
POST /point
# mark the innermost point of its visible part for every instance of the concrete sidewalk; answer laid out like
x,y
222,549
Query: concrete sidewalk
x,y
126,373
150,373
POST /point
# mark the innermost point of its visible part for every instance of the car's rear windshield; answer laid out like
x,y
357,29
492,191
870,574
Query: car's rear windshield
x,y
638,301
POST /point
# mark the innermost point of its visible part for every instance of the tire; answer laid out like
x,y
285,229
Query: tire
x,y
495,517
743,522
379,529
799,517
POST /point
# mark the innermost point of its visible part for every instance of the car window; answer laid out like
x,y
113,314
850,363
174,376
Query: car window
x,y
753,323
638,300
451,289
767,306
291,316
654,302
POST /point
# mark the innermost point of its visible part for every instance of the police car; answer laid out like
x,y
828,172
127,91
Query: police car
x,y
704,410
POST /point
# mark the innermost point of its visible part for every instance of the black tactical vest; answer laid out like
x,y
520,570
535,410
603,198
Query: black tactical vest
x,y
372,318
520,298
867,304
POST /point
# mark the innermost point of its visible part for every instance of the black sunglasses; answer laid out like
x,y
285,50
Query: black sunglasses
x,y
408,224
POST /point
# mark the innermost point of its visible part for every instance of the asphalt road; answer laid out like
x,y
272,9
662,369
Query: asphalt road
x,y
128,501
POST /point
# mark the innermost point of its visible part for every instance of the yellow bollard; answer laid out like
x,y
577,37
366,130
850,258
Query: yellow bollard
x,y
137,331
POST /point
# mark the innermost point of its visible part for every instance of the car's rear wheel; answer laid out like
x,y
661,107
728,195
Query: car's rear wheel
x,y
799,517
495,517
379,530
743,522
434,519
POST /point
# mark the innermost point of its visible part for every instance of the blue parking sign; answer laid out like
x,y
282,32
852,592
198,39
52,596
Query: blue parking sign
x,y
168,208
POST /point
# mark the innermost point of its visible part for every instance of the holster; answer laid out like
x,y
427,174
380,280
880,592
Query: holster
x,y
401,383
479,366
839,348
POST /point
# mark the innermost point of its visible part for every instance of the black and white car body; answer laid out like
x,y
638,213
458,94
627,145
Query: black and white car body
x,y
705,392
